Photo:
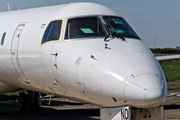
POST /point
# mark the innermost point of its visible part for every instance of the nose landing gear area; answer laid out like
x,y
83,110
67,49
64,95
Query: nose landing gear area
x,y
128,113
65,109
29,102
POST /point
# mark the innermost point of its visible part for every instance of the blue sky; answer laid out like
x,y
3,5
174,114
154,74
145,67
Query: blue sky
x,y
149,18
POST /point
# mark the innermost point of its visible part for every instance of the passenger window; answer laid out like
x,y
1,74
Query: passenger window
x,y
3,38
52,32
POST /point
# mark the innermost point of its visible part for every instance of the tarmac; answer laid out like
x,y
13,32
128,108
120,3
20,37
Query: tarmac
x,y
172,105
65,109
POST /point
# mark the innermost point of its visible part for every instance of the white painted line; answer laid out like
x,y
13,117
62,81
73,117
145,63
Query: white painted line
x,y
178,95
173,94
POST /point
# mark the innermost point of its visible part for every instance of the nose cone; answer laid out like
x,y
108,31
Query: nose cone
x,y
154,96
145,90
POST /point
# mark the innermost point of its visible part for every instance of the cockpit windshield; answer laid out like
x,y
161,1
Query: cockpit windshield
x,y
119,27
94,27
84,27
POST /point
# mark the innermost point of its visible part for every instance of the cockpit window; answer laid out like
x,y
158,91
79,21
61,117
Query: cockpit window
x,y
52,32
120,27
84,27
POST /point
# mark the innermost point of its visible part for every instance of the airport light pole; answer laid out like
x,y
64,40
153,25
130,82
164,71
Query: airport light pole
x,y
154,44
9,9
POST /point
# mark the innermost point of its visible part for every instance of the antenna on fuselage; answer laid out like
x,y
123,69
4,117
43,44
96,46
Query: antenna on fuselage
x,y
9,7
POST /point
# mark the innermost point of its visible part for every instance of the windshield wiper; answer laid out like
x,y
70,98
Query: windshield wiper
x,y
120,37
110,32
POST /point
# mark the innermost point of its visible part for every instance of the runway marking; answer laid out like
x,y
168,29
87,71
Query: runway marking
x,y
174,94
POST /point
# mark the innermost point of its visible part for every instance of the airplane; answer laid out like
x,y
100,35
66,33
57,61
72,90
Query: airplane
x,y
83,51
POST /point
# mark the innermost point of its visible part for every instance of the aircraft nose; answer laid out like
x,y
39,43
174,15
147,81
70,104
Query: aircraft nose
x,y
145,90
154,96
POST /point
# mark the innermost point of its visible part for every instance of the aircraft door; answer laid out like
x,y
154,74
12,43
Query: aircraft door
x,y
14,53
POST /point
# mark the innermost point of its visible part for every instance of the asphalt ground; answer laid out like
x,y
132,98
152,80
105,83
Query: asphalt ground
x,y
65,109
172,105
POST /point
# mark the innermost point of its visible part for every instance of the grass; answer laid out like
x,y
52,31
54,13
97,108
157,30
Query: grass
x,y
174,88
4,97
158,54
171,70
10,95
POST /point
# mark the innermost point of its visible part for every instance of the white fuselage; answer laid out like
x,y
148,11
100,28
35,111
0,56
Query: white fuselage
x,y
125,73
